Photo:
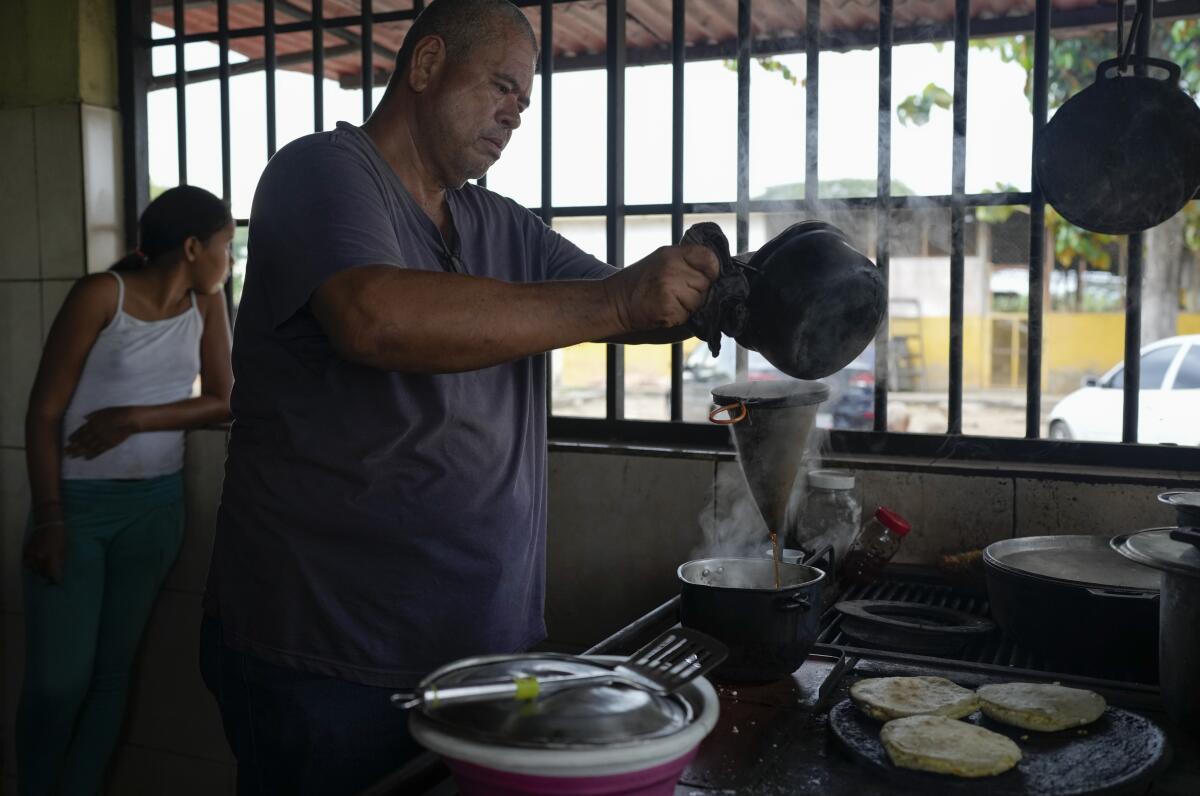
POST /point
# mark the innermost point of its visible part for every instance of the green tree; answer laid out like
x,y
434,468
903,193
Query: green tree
x,y
1171,247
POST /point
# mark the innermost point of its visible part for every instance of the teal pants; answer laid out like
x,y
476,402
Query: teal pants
x,y
81,635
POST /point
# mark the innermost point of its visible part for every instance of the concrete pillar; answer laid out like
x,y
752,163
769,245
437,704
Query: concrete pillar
x,y
60,218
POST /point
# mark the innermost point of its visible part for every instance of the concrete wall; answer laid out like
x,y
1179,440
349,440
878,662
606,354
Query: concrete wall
x,y
621,524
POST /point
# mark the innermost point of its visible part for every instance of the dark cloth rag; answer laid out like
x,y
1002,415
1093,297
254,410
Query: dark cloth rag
x,y
724,309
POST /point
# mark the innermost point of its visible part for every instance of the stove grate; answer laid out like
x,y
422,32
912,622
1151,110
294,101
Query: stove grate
x,y
994,649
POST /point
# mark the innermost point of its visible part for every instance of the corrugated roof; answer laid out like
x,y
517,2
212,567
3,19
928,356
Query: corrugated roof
x,y
579,27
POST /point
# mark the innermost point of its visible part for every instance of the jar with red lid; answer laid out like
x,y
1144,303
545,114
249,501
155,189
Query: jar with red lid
x,y
875,545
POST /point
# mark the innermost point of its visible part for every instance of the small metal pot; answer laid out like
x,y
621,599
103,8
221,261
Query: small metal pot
x,y
768,631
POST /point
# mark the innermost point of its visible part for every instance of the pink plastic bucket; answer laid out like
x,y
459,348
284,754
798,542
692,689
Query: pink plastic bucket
x,y
659,780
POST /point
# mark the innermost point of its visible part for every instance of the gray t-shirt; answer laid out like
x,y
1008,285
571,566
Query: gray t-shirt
x,y
375,525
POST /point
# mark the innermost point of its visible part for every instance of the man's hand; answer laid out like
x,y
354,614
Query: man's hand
x,y
46,551
662,290
105,429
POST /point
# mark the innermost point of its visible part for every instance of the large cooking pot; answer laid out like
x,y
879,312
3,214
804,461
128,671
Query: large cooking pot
x,y
1122,156
1072,597
768,631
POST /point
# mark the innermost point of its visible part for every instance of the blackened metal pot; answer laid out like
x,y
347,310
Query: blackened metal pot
x,y
768,631
1072,598
815,301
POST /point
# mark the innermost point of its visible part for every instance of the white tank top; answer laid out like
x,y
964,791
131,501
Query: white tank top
x,y
136,363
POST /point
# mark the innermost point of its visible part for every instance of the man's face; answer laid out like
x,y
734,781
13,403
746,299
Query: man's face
x,y
475,104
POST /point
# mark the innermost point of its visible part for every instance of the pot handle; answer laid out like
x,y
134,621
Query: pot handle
x,y
733,418
1125,595
793,602
1170,67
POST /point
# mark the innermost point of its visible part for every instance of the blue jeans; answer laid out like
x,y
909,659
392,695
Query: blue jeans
x,y
294,732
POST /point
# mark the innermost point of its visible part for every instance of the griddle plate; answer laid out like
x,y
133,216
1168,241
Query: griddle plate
x,y
1120,751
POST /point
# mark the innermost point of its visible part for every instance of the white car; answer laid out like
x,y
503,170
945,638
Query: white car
x,y
1168,403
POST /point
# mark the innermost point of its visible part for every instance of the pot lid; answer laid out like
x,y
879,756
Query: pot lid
x,y
771,394
1155,548
585,717
1078,560
1177,499
747,574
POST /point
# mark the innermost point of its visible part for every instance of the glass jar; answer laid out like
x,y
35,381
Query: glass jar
x,y
875,545
832,514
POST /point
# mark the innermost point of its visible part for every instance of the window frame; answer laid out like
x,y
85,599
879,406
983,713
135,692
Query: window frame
x,y
135,44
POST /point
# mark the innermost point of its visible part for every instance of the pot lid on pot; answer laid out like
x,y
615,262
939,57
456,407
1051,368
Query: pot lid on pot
x,y
1155,548
771,394
584,717
1078,560
1177,499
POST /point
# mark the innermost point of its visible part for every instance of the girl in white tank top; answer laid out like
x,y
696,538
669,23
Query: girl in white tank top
x,y
105,429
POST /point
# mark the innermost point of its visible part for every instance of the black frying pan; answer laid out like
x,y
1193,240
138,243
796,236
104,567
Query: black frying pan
x,y
1123,155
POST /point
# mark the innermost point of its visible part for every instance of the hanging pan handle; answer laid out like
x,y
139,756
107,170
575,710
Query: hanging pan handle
x,y
1115,64
729,421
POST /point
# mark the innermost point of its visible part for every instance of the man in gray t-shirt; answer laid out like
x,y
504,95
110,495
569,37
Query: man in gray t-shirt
x,y
384,506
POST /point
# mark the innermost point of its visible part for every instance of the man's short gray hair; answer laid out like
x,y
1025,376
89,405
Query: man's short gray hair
x,y
462,24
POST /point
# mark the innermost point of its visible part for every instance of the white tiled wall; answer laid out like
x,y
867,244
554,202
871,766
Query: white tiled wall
x,y
14,668
18,200
59,161
104,227
54,220
54,293
170,710
173,742
14,504
20,350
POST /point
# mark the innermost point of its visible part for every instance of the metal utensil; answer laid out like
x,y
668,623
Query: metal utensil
x,y
663,666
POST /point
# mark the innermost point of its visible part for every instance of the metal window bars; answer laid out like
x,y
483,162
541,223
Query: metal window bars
x,y
135,43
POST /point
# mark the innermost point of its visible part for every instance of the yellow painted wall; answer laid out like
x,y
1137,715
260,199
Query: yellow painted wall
x,y
1074,345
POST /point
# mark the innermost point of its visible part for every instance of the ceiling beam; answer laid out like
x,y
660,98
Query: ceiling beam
x,y
865,38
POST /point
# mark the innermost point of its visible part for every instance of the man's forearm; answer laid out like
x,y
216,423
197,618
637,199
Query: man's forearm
x,y
429,322
674,334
